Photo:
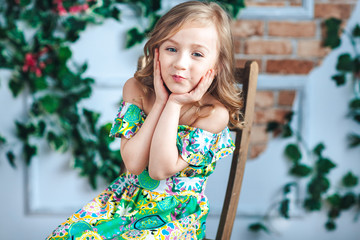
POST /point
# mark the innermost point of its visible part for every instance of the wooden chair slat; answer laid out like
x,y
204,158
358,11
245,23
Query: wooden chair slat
x,y
247,76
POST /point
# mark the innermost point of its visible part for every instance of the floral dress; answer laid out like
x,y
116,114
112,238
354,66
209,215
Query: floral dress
x,y
139,207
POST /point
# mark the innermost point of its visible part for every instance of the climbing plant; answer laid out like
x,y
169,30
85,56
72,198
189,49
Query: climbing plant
x,y
321,192
35,39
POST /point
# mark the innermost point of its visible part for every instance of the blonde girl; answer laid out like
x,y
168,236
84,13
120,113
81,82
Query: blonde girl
x,y
173,127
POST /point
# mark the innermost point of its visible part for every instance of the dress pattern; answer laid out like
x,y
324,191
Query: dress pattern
x,y
139,207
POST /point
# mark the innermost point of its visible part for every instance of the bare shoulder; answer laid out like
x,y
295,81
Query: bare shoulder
x,y
133,92
216,121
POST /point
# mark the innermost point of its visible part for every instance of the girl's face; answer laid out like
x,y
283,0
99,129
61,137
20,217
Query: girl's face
x,y
187,56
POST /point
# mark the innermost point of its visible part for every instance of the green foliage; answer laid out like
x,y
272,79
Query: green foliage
x,y
332,33
354,140
284,208
292,151
257,227
315,175
42,64
233,6
350,180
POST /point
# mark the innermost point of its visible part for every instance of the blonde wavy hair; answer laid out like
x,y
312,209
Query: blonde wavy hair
x,y
223,87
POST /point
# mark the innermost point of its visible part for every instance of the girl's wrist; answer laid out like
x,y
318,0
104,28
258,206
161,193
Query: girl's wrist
x,y
175,102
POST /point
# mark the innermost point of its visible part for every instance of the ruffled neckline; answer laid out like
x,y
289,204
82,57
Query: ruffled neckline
x,y
181,126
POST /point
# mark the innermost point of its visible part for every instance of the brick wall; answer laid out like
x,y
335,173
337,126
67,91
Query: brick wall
x,y
283,47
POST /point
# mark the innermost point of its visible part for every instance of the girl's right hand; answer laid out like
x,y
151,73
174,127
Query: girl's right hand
x,y
161,94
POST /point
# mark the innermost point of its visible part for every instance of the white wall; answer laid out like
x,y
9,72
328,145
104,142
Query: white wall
x,y
36,199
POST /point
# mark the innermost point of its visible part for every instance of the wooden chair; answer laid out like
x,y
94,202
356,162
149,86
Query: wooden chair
x,y
247,77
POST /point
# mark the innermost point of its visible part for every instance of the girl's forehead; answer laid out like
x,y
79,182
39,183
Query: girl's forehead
x,y
197,30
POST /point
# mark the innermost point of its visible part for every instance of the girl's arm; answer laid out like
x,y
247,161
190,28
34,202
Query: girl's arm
x,y
165,160
135,151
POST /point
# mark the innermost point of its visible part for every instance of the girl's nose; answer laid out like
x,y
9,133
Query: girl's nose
x,y
181,62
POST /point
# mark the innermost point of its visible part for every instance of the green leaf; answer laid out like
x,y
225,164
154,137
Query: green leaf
x,y
64,54
355,104
16,85
57,142
319,149
339,79
284,208
317,186
348,201
49,103
330,225
133,37
233,7
350,180
345,63
85,92
23,131
334,200
11,158
300,170
334,213
2,140
312,204
356,31
272,125
41,128
332,38
115,13
292,151
29,152
40,84
257,227
287,131
324,165
287,187
354,140
92,118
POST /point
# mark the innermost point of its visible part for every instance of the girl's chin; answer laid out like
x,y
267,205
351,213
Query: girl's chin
x,y
178,90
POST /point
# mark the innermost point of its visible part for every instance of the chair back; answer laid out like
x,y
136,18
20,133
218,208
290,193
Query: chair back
x,y
247,77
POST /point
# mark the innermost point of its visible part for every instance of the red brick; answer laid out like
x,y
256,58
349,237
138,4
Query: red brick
x,y
256,150
247,28
311,48
268,47
263,116
241,62
265,4
238,45
264,99
327,10
289,66
292,29
286,97
258,134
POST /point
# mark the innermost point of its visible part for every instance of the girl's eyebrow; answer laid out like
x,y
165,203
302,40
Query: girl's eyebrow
x,y
193,45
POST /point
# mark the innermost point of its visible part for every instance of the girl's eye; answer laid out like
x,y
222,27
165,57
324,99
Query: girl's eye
x,y
170,49
197,54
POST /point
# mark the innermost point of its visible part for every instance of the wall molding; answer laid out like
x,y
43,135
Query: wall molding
x,y
306,11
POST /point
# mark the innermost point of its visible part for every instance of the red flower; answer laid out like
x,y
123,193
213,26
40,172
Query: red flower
x,y
60,7
78,8
33,64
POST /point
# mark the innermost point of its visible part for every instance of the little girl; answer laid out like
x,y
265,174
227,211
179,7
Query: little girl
x,y
173,127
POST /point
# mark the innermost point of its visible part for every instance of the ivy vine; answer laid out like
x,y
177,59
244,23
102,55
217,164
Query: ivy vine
x,y
35,36
316,173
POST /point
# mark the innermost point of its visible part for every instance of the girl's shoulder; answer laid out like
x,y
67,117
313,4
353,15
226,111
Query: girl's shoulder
x,y
216,120
133,92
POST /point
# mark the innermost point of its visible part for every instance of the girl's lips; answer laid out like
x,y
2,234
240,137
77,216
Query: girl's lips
x,y
177,78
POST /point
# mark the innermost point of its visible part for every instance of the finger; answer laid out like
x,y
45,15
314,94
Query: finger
x,y
155,59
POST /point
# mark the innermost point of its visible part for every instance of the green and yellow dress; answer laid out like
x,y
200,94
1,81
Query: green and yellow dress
x,y
138,207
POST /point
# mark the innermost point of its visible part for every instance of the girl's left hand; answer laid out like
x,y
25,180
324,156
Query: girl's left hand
x,y
197,93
